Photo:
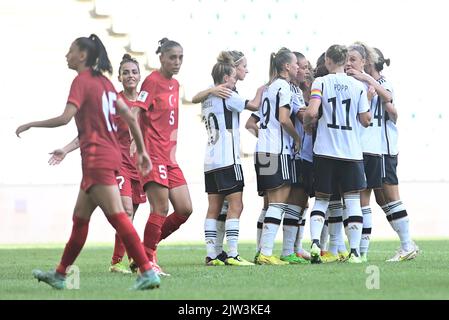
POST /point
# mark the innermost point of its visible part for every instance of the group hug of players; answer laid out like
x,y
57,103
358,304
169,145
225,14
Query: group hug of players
x,y
329,132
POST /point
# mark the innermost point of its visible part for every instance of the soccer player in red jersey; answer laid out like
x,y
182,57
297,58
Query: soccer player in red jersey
x,y
93,101
158,114
131,191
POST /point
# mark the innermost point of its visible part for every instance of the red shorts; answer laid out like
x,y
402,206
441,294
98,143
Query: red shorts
x,y
169,176
92,177
131,188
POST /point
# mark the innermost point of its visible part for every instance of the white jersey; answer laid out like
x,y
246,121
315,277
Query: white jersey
x,y
372,135
272,137
221,117
389,129
297,104
338,130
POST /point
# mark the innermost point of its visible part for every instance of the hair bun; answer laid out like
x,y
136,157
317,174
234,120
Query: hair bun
x,y
387,62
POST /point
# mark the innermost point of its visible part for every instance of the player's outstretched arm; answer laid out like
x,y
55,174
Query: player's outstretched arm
x,y
69,112
220,91
143,160
254,104
59,154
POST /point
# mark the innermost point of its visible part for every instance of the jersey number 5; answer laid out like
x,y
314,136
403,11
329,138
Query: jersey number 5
x,y
171,121
162,171
108,106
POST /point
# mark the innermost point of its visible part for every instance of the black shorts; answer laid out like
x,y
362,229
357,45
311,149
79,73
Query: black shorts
x,y
373,171
389,175
333,175
296,173
272,170
307,178
224,181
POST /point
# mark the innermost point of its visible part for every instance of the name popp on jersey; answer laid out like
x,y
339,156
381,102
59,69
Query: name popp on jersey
x,y
340,87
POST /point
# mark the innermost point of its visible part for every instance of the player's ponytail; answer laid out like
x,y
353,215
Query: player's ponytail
x,y
380,64
97,57
277,62
165,44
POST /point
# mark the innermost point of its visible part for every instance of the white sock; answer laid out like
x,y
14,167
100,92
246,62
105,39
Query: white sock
x,y
221,227
354,221
273,218
335,227
300,234
259,228
325,233
317,217
399,221
232,236
210,232
290,229
366,231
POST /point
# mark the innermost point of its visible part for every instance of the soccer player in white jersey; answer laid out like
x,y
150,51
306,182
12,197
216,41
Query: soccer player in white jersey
x,y
222,166
297,199
222,91
360,57
388,197
273,149
338,157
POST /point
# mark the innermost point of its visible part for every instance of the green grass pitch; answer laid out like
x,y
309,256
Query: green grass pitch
x,y
426,277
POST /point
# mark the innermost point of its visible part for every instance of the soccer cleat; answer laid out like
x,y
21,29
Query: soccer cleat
x,y
343,256
119,267
147,280
294,259
328,257
222,256
354,258
364,256
402,255
159,270
52,278
214,262
270,260
303,254
315,254
237,261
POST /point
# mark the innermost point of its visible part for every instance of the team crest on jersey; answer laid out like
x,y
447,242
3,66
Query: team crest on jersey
x,y
142,96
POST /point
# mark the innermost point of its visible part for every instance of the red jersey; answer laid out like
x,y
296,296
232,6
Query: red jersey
x,y
159,98
124,139
95,98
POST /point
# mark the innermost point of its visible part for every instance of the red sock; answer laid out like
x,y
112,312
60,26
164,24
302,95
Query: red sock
x,y
75,244
119,250
171,224
128,234
152,234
